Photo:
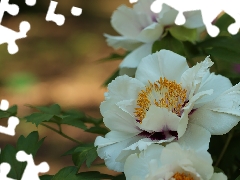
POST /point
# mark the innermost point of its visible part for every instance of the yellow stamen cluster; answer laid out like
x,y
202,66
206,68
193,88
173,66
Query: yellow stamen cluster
x,y
181,176
162,93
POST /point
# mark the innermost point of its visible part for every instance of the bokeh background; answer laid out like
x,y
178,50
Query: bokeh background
x,y
58,64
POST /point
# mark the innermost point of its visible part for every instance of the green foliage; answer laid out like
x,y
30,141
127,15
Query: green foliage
x,y
12,111
29,144
169,43
83,153
182,33
71,173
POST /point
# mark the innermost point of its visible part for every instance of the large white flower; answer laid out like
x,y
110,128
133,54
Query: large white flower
x,y
166,101
172,162
139,27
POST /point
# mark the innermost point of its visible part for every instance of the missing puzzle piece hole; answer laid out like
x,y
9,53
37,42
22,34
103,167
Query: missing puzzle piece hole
x,y
31,2
76,11
4,105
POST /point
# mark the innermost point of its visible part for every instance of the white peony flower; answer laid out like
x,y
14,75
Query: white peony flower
x,y
172,162
166,101
139,27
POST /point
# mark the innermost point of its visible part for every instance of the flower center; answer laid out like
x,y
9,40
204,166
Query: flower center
x,y
162,93
182,176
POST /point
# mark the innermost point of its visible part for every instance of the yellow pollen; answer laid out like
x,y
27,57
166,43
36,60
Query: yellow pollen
x,y
181,176
162,93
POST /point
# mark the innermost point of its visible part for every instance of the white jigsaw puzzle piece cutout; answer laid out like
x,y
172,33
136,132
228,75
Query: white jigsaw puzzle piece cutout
x,y
4,170
209,9
12,121
31,171
7,35
76,11
59,19
30,2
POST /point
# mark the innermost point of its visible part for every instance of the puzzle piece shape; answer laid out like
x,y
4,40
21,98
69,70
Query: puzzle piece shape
x,y
210,10
4,105
76,11
59,19
12,9
4,170
30,2
31,171
12,121
9,36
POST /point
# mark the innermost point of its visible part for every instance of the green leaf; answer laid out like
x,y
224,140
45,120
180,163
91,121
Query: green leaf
x,y
119,177
113,56
169,43
183,34
97,130
217,170
224,54
238,178
54,109
82,153
67,173
74,122
12,111
112,77
46,177
38,118
223,22
30,144
70,173
94,175
8,154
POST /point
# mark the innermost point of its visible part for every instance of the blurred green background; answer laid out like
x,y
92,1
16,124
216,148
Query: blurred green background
x,y
57,64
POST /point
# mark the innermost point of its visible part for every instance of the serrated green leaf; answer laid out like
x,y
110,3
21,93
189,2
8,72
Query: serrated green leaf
x,y
67,173
8,154
84,152
69,120
30,144
183,34
97,130
46,177
112,77
54,109
168,43
12,111
38,118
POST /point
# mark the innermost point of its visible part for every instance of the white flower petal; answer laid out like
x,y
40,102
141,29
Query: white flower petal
x,y
219,176
187,109
109,148
151,33
159,119
220,115
218,83
193,19
118,120
138,164
167,15
132,60
122,42
160,64
130,23
201,160
191,79
195,137
143,6
123,88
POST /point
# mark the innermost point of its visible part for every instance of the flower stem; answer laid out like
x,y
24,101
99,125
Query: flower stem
x,y
230,135
61,133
